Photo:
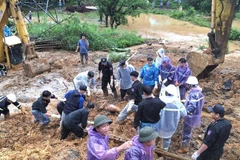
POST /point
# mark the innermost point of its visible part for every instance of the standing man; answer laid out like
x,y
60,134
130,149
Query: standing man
x,y
170,116
76,121
166,71
39,110
123,75
30,15
149,74
215,136
87,79
74,101
194,104
5,101
148,113
97,145
83,45
181,75
106,68
135,98
143,145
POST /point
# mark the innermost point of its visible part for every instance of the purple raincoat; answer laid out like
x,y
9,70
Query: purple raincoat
x,y
182,74
138,151
167,72
194,104
97,147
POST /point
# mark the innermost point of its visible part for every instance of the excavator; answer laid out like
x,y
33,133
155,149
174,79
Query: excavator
x,y
222,15
18,51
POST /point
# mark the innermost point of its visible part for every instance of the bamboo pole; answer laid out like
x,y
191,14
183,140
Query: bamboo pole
x,y
170,155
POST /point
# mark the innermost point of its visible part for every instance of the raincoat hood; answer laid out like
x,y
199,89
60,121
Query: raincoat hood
x,y
161,52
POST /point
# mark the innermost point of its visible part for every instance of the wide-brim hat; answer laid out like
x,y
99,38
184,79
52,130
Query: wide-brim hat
x,y
147,134
101,119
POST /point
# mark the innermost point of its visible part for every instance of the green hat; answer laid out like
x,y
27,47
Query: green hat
x,y
101,119
147,134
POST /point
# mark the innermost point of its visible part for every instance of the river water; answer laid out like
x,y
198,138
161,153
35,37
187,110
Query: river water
x,y
164,27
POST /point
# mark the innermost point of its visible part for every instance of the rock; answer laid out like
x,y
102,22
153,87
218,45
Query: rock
x,y
68,154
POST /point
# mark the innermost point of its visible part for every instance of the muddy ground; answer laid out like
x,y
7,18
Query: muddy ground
x,y
21,139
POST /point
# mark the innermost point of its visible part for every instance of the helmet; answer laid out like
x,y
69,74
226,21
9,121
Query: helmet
x,y
147,134
90,74
192,80
171,89
90,105
12,97
101,119
83,87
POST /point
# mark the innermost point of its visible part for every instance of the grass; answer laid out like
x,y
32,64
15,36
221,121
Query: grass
x,y
68,34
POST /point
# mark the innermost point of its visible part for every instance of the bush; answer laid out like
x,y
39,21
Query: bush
x,y
68,33
117,56
178,14
234,34
191,11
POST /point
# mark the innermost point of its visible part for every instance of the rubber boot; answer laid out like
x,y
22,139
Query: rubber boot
x,y
183,150
7,116
105,92
115,94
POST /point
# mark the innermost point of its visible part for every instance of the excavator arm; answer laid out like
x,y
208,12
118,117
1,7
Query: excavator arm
x,y
222,16
32,65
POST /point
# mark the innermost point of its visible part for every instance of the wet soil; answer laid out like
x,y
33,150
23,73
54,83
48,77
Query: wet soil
x,y
21,139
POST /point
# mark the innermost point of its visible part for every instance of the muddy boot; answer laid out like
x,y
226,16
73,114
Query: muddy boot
x,y
183,150
82,62
86,62
6,116
105,92
115,94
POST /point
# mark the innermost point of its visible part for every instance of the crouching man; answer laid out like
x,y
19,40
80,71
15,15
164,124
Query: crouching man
x,y
143,145
76,121
39,110
5,101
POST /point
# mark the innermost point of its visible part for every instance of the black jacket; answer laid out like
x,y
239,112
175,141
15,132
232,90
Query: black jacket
x,y
107,70
40,105
148,111
4,103
216,135
76,117
136,92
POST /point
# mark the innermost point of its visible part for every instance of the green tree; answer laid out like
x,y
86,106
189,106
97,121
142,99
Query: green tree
x,y
116,11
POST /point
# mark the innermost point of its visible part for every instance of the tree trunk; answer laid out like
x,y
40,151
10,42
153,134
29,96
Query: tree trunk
x,y
106,20
111,22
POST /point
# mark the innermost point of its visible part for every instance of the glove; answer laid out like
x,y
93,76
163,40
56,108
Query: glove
x,y
19,107
156,85
53,96
195,156
88,92
111,83
62,99
90,122
160,79
130,105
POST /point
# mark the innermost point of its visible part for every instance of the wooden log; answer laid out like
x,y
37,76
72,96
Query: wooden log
x,y
170,155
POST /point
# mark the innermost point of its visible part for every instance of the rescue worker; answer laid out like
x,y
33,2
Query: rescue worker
x,y
76,121
149,74
97,145
123,75
39,110
160,54
106,68
83,46
215,136
148,113
170,116
5,101
135,98
74,100
194,104
87,79
143,145
182,73
166,71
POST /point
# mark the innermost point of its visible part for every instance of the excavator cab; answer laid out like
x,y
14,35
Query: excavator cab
x,y
18,51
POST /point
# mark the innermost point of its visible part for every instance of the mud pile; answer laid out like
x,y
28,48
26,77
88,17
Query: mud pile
x,y
21,139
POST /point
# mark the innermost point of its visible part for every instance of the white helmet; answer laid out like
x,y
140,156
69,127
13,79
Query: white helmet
x,y
171,89
12,97
192,80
